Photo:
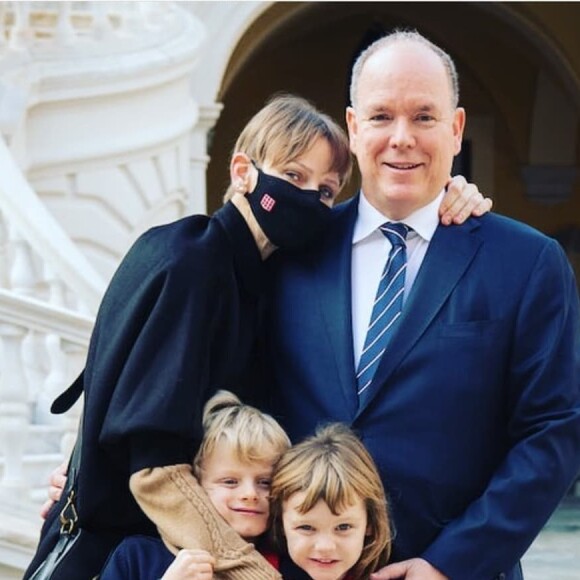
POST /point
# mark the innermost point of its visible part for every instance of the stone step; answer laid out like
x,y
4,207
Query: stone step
x,y
555,554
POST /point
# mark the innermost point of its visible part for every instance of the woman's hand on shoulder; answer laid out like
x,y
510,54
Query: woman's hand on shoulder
x,y
461,201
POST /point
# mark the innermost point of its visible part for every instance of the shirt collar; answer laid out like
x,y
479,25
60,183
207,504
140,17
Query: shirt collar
x,y
424,221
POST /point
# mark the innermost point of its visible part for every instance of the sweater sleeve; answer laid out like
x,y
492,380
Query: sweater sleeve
x,y
173,499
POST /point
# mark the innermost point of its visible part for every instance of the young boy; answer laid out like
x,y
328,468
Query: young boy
x,y
234,466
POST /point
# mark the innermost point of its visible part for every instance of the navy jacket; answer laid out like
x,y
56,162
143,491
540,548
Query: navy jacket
x,y
473,416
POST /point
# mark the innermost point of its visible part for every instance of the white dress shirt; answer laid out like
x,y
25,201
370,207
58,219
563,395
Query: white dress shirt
x,y
370,250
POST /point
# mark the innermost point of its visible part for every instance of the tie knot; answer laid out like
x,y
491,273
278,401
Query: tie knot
x,y
395,232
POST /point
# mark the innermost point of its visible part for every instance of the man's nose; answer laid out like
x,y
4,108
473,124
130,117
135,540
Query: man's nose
x,y
402,134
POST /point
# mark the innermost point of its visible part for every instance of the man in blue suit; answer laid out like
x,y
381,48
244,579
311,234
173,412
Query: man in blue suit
x,y
473,414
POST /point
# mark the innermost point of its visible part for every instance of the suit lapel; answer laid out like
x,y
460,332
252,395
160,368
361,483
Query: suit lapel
x,y
450,252
333,293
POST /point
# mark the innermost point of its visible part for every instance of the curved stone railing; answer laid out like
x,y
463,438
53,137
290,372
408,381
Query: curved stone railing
x,y
100,133
55,26
25,215
45,285
48,295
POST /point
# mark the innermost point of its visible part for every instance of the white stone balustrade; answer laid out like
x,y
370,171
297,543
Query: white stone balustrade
x,y
41,325
22,276
3,252
14,412
31,26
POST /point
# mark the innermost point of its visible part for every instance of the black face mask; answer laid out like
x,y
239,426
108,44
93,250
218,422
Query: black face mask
x,y
289,216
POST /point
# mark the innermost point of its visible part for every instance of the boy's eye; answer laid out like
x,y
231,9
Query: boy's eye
x,y
305,528
229,481
265,483
343,527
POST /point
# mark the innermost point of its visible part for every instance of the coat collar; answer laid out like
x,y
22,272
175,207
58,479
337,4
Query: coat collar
x,y
333,289
248,262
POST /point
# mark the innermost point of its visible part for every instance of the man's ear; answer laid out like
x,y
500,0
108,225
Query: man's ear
x,y
352,125
242,172
458,127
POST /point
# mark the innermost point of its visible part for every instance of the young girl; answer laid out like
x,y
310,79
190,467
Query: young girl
x,y
234,466
329,508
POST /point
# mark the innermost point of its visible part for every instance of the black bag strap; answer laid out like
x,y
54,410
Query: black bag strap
x,y
69,516
69,397
49,569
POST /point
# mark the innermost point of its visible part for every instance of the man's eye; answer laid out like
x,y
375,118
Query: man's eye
x,y
381,117
424,118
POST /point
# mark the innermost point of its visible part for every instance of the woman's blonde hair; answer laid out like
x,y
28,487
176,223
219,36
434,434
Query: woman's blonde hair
x,y
251,434
287,127
334,466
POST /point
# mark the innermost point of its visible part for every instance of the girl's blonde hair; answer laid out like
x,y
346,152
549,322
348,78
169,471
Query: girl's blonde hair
x,y
287,127
251,434
334,466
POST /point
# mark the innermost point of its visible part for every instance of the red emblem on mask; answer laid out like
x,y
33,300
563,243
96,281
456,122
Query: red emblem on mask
x,y
267,202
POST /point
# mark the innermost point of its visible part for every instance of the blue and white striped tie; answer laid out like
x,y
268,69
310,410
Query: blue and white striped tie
x,y
387,307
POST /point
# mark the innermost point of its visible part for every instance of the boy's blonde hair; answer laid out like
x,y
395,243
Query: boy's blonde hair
x,y
334,466
251,434
285,128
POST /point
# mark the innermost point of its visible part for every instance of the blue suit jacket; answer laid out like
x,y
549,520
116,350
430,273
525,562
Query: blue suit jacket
x,y
473,416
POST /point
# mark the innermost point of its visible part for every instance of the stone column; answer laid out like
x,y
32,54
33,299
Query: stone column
x,y
199,159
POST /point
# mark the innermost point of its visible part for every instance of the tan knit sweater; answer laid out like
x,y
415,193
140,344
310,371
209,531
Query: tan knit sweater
x,y
172,498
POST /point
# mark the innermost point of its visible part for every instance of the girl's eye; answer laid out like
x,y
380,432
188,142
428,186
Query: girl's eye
x,y
265,483
305,528
343,527
292,175
229,481
326,193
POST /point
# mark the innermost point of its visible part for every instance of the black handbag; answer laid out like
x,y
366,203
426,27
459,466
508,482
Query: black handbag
x,y
78,554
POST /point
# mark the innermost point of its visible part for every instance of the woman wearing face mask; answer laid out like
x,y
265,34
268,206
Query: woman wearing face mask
x,y
177,322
